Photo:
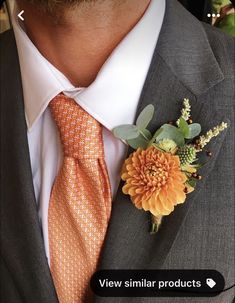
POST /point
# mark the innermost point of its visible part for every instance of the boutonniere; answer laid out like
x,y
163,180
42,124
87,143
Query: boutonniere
x,y
163,169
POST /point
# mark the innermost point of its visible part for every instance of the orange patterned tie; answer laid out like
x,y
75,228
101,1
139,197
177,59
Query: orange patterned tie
x,y
80,202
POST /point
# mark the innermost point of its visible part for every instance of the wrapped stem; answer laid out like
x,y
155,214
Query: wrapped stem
x,y
155,223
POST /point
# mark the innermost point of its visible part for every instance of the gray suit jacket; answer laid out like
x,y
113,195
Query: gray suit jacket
x,y
191,60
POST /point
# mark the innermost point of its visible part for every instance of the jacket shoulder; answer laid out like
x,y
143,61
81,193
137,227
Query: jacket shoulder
x,y
8,49
10,76
7,38
8,53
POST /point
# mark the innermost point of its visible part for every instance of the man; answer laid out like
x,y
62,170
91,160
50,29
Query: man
x,y
70,73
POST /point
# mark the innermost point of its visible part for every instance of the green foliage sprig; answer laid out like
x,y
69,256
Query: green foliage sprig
x,y
139,136
226,19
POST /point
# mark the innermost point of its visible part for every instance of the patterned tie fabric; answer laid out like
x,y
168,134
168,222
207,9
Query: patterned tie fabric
x,y
80,202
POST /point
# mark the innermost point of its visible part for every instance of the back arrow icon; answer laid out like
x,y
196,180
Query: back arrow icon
x,y
20,15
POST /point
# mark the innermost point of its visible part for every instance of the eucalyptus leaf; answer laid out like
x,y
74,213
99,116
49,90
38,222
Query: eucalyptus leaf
x,y
171,132
184,127
140,141
194,130
156,134
145,117
126,132
146,133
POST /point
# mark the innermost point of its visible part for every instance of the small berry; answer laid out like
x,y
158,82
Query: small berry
x,y
190,121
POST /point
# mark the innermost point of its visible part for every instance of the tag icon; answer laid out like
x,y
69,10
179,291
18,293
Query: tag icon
x,y
210,282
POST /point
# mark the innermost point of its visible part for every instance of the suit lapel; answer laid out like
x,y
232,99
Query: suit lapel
x,y
179,69
22,245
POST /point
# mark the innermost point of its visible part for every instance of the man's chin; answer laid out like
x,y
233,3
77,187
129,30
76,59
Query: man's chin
x,y
54,6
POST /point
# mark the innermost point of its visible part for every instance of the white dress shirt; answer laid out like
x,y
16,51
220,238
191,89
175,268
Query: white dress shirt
x,y
112,99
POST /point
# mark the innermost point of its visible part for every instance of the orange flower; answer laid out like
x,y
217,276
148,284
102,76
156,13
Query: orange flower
x,y
154,180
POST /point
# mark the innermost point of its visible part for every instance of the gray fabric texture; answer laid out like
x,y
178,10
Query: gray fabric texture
x,y
192,60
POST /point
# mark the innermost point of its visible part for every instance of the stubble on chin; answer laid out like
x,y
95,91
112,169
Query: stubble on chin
x,y
56,6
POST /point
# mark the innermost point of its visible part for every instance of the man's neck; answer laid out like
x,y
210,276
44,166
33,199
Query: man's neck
x,y
81,40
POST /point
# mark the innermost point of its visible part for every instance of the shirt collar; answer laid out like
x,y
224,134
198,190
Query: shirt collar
x,y
113,97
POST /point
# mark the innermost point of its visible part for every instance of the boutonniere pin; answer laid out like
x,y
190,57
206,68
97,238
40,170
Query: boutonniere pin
x,y
163,169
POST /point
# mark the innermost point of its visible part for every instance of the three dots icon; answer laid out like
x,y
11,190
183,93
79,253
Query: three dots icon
x,y
213,15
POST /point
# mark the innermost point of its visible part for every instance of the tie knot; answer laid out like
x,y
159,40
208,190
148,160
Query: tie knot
x,y
80,133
